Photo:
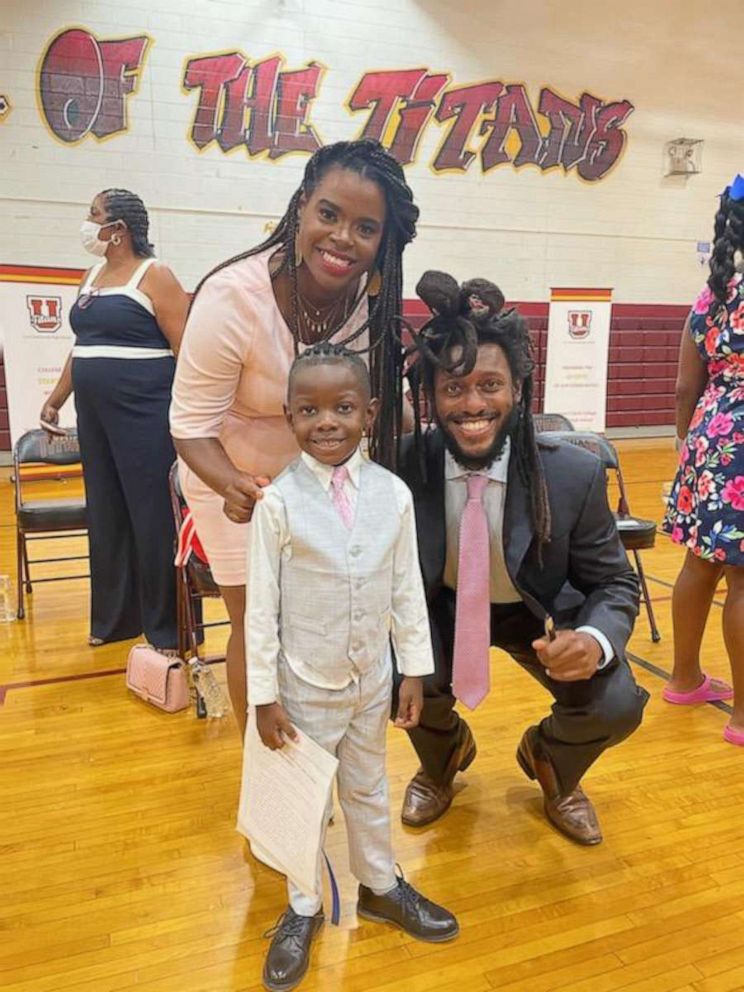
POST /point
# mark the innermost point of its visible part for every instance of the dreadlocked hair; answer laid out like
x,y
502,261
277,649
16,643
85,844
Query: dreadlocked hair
x,y
465,317
328,353
121,204
728,238
372,161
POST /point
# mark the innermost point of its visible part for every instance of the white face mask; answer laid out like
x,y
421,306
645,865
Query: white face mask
x,y
89,232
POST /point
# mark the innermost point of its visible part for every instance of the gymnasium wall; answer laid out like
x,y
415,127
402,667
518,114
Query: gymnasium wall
x,y
533,135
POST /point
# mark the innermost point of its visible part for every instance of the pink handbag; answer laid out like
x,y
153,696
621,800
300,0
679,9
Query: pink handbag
x,y
157,679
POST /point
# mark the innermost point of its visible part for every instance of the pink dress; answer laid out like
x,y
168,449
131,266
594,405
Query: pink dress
x,y
231,383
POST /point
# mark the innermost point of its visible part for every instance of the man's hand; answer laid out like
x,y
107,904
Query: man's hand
x,y
571,657
273,725
410,703
241,495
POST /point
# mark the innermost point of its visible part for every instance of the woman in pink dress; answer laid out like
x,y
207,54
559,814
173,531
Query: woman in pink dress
x,y
330,270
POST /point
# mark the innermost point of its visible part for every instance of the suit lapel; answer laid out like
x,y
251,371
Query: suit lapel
x,y
429,502
518,533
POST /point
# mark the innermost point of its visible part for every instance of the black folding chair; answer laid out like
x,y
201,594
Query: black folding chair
x,y
551,422
194,583
45,519
636,533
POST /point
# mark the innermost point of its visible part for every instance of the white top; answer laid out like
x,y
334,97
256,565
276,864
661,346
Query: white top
x,y
129,288
494,501
270,540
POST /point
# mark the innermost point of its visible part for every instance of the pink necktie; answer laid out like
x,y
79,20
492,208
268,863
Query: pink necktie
x,y
338,495
470,674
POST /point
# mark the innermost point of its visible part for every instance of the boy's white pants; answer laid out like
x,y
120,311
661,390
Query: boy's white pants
x,y
351,724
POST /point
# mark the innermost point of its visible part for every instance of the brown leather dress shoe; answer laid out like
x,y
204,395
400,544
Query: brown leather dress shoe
x,y
426,800
572,813
289,953
406,908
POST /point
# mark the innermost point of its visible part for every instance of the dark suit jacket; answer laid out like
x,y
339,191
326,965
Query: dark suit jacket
x,y
585,577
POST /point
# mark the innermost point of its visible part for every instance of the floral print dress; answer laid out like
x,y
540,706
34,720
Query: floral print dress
x,y
705,512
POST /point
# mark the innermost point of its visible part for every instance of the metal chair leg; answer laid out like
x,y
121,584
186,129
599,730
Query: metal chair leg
x,y
20,569
29,587
655,635
180,618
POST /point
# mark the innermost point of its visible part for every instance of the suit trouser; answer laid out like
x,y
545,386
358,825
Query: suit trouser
x,y
587,717
126,449
350,723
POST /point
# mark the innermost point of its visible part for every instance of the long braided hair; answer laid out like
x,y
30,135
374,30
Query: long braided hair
x,y
465,317
121,204
728,238
371,161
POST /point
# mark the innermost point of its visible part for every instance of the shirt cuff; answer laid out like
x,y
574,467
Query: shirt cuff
x,y
600,638
262,692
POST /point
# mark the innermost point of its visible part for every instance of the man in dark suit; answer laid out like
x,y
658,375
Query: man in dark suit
x,y
550,555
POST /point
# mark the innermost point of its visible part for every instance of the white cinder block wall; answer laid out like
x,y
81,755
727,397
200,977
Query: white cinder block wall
x,y
634,230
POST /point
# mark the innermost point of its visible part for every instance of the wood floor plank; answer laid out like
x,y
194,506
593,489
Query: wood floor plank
x,y
120,868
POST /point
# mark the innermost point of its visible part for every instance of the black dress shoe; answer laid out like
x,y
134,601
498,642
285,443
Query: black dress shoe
x,y
289,953
409,910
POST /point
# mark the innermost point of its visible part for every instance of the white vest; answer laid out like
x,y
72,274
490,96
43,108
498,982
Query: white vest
x,y
336,583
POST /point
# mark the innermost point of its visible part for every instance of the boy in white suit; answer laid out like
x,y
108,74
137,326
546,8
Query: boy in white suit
x,y
334,577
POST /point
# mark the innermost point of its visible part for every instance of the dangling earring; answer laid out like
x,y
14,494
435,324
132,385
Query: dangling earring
x,y
115,239
374,283
297,251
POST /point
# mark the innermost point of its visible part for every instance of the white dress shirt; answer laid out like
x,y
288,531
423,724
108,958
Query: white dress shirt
x,y
494,501
270,541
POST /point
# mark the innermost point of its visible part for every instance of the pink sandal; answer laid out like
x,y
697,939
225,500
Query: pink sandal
x,y
733,736
705,693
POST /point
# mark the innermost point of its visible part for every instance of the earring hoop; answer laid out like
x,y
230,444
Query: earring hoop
x,y
297,251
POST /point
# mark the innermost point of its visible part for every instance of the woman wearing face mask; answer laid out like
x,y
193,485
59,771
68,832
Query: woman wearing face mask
x,y
128,320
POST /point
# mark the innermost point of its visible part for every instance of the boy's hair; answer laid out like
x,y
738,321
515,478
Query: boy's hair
x,y
326,353
465,317
371,160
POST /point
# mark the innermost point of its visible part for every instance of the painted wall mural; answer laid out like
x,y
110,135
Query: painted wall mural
x,y
87,88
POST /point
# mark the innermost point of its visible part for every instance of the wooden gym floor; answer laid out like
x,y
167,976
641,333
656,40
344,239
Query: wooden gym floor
x,y
121,867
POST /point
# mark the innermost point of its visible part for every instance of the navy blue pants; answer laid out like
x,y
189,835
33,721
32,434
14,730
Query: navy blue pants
x,y
126,449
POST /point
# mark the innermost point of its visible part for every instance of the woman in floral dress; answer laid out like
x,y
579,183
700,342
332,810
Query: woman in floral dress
x,y
705,513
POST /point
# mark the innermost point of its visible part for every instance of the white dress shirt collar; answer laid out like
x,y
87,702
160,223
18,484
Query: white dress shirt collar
x,y
324,473
497,471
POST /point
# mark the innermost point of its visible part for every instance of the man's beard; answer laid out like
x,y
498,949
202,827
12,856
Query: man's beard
x,y
493,453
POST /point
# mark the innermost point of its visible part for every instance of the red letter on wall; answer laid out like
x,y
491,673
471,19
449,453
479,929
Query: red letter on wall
x,y
571,128
513,112
465,104
410,92
296,91
83,83
608,142
211,75
381,91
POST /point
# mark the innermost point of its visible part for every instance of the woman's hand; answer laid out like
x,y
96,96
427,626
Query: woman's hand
x,y
49,414
241,494
58,396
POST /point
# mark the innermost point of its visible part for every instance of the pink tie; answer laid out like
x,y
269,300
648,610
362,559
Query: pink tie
x,y
338,495
470,674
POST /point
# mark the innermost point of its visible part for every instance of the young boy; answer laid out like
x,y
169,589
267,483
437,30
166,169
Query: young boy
x,y
334,575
